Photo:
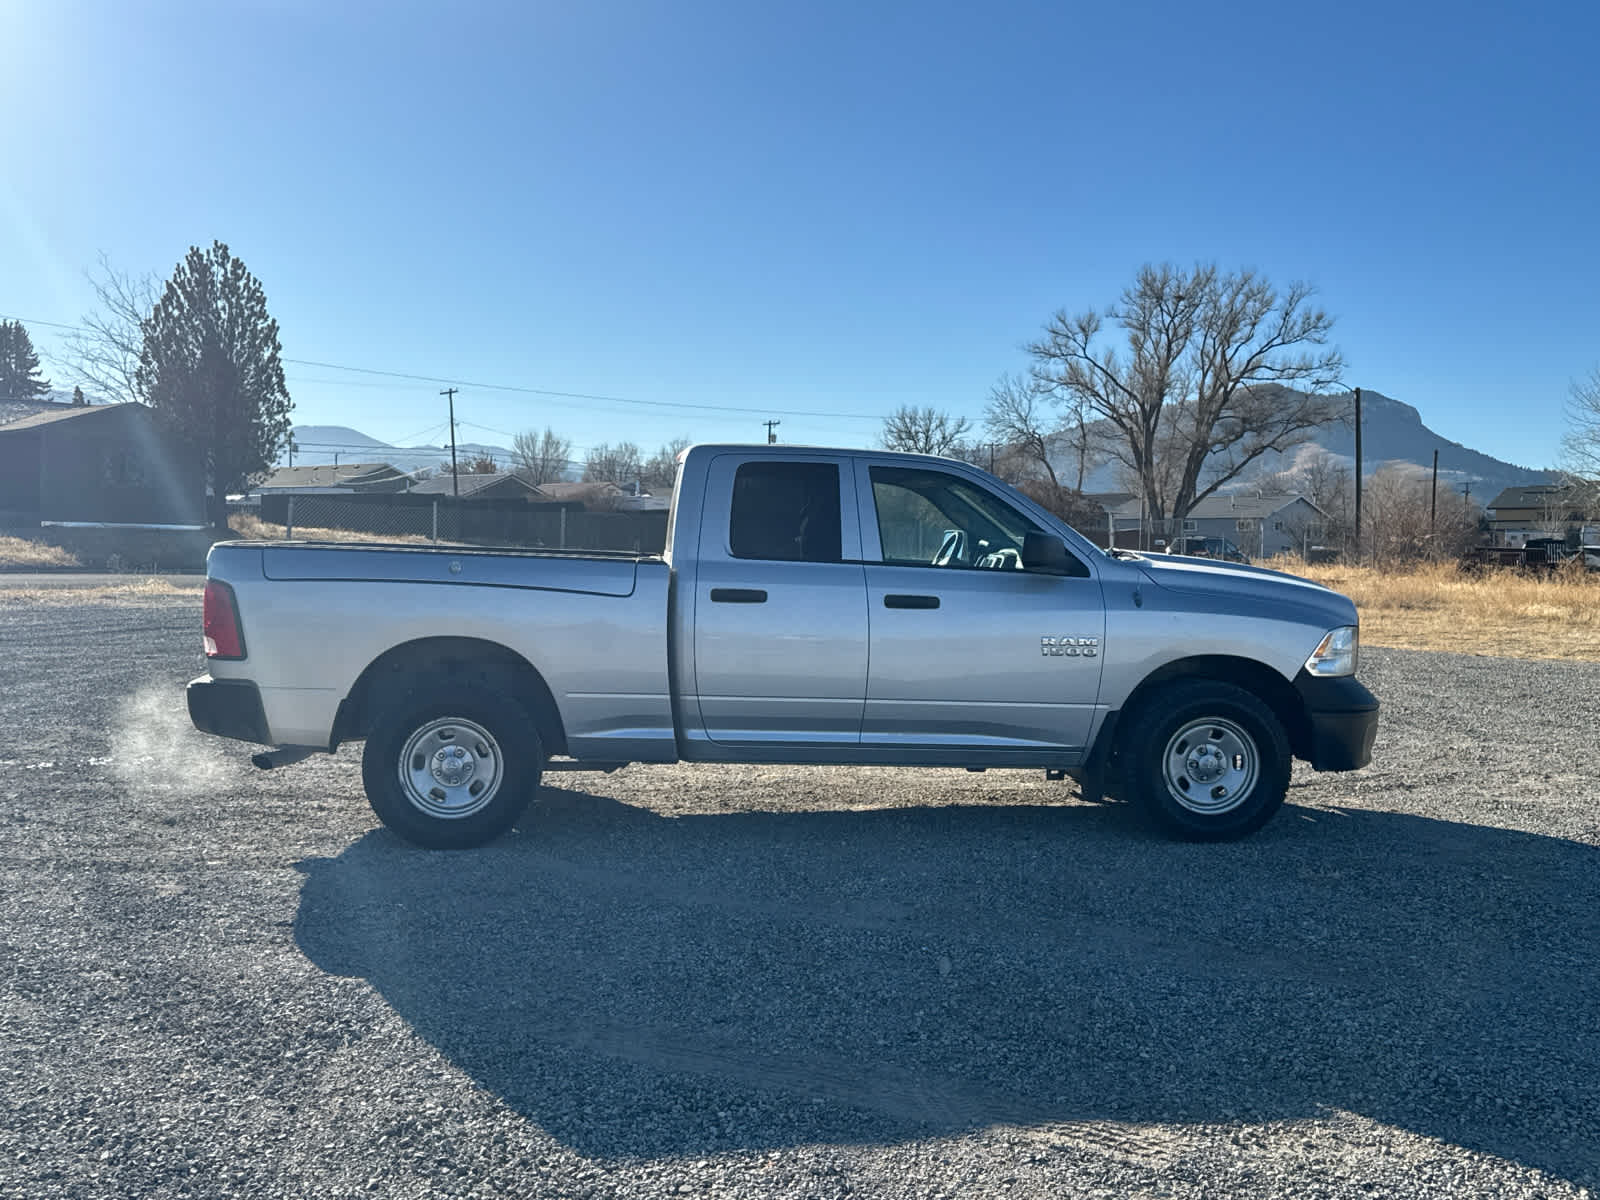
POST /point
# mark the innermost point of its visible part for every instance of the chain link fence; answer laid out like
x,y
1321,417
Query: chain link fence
x,y
408,519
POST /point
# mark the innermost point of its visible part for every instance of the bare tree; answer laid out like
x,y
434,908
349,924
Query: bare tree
x,y
1217,370
1396,504
103,353
1082,440
1327,482
1020,423
617,464
923,430
1018,418
541,457
1580,448
659,472
1561,509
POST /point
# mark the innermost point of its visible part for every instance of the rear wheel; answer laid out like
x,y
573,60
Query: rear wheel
x,y
453,767
1207,761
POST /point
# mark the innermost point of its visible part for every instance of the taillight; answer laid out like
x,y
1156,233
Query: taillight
x,y
224,638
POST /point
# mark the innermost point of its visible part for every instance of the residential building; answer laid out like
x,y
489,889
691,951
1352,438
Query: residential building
x,y
502,485
103,464
337,478
1259,526
1562,510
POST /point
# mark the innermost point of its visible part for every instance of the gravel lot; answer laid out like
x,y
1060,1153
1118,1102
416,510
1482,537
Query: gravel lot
x,y
772,981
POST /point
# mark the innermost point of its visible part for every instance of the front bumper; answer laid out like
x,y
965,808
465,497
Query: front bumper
x,y
1341,719
228,708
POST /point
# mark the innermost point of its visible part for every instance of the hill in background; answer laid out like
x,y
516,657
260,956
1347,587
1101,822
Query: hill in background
x,y
320,443
1391,431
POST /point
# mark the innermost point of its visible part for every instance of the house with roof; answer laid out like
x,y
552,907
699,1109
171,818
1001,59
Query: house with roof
x,y
96,465
1562,510
1258,525
501,485
323,479
602,496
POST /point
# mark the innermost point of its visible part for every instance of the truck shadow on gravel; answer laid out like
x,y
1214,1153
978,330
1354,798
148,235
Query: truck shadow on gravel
x,y
641,986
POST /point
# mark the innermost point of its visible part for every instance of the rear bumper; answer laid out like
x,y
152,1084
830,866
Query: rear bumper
x,y
228,708
1341,719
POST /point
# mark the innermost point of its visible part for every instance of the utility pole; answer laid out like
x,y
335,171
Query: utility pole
x,y
1358,473
1433,503
772,438
455,477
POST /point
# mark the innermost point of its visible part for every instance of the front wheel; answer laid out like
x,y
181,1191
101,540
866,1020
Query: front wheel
x,y
1207,761
451,768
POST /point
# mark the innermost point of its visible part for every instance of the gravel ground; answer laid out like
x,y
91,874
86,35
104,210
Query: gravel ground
x,y
770,981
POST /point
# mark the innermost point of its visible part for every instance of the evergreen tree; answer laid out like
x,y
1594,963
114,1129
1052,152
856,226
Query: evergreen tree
x,y
211,367
77,396
19,365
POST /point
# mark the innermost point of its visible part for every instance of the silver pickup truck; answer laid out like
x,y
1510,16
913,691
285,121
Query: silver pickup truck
x,y
812,606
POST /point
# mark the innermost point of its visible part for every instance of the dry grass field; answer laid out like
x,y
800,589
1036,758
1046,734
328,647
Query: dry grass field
x,y
249,526
21,554
74,590
1503,613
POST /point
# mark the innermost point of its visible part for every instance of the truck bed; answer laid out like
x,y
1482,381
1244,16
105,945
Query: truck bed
x,y
318,617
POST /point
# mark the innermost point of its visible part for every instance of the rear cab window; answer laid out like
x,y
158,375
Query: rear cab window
x,y
786,512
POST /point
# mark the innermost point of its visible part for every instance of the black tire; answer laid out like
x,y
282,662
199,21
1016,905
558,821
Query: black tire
x,y
1215,783
429,750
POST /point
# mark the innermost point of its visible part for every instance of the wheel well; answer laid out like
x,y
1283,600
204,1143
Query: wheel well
x,y
460,660
1276,692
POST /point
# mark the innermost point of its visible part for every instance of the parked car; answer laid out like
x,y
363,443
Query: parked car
x,y
1207,547
812,606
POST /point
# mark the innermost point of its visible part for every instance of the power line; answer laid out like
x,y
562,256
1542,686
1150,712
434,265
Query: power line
x,y
521,389
347,383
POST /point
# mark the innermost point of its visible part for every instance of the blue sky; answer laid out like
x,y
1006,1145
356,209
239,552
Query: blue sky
x,y
826,208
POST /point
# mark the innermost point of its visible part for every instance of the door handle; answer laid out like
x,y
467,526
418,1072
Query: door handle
x,y
738,596
896,601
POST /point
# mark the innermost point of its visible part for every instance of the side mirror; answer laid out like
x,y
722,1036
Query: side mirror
x,y
1047,554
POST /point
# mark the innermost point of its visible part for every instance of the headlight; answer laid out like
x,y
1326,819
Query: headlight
x,y
1336,653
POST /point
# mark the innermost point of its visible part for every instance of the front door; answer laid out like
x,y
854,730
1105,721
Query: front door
x,y
780,620
967,649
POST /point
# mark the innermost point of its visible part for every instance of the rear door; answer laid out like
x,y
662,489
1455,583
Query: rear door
x,y
968,650
780,618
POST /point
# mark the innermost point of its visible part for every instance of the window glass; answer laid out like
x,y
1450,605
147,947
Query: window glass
x,y
787,511
931,518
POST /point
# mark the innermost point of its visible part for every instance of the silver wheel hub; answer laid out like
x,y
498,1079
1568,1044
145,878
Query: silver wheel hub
x,y
1211,766
1207,763
451,768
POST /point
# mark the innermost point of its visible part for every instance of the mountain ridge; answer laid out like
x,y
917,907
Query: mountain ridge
x,y
1392,431
321,443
